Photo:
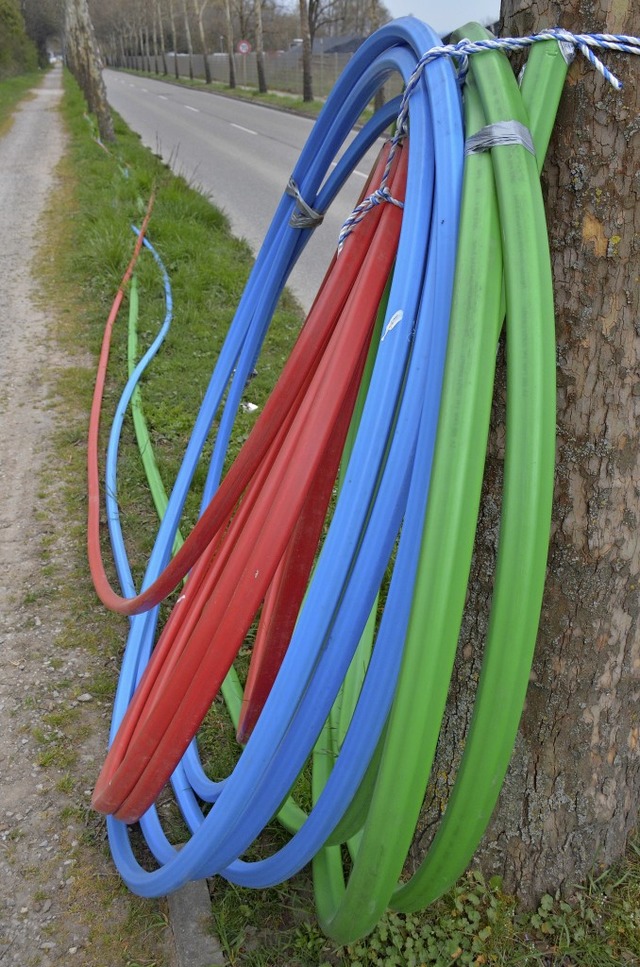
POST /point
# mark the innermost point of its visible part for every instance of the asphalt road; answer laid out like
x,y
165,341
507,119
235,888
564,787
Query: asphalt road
x,y
237,153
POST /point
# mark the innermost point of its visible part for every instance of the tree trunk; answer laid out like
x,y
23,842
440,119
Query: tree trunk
x,y
262,80
200,9
307,77
144,49
229,28
83,60
174,39
187,31
572,793
160,30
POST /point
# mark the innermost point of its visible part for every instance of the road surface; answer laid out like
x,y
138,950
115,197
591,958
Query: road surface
x,y
237,153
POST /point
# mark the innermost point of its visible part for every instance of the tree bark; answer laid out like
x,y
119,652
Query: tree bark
x,y
174,39
200,8
159,27
307,77
262,80
229,29
572,793
83,60
187,31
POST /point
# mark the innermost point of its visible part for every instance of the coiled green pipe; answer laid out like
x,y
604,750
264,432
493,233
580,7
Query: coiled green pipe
x,y
502,223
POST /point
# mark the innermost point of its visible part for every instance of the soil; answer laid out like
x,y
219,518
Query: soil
x,y
60,901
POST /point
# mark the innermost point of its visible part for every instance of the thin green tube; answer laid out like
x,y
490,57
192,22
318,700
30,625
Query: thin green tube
x,y
231,687
143,440
442,577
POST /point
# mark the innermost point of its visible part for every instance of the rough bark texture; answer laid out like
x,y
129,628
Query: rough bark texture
x,y
200,9
83,60
229,29
174,41
305,33
187,33
262,79
573,790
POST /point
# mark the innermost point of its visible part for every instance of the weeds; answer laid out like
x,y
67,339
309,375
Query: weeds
x,y
13,90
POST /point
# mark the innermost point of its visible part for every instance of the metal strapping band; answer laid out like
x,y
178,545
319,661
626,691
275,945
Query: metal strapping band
x,y
502,132
306,216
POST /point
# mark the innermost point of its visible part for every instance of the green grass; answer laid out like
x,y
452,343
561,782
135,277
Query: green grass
x,y
13,90
474,924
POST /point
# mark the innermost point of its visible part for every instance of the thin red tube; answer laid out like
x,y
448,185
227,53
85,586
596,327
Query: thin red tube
x,y
302,360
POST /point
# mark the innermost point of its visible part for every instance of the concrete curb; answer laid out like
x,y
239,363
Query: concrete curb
x,y
190,922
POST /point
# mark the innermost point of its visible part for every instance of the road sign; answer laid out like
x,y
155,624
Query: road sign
x,y
243,47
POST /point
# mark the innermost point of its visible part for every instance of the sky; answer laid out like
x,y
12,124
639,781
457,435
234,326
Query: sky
x,y
444,17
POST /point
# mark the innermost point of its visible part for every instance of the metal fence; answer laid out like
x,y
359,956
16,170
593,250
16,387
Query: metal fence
x,y
283,70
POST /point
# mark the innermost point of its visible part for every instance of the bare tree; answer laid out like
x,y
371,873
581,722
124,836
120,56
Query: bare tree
x,y
321,13
187,30
307,74
229,31
200,6
262,80
161,36
174,38
573,790
83,60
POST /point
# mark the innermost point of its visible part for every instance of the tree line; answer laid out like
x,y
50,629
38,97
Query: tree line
x,y
17,51
153,28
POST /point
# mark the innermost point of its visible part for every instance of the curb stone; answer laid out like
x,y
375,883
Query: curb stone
x,y
189,920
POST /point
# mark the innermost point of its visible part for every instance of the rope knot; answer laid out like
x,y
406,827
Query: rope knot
x,y
377,197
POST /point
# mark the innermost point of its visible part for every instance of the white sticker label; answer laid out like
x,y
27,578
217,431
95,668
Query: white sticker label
x,y
395,320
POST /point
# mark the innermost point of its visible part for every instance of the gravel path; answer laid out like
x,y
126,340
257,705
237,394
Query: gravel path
x,y
58,896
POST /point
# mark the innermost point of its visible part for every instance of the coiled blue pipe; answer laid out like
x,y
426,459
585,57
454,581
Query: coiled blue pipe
x,y
384,485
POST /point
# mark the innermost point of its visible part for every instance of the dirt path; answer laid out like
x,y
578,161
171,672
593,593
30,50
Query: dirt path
x,y
28,155
56,905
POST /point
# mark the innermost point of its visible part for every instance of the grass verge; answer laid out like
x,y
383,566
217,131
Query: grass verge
x,y
474,924
13,90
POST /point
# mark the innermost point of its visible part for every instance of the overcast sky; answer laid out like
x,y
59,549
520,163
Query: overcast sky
x,y
444,17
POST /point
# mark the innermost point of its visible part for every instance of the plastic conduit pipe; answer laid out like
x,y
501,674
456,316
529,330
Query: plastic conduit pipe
x,y
414,724
216,595
222,595
232,687
407,39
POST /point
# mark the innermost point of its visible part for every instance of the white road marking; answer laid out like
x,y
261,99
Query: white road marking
x,y
195,110
163,97
240,128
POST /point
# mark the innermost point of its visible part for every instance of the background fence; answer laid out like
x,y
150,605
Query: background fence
x,y
283,70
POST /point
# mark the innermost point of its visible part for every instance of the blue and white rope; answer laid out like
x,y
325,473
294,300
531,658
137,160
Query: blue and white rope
x,y
380,195
460,52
